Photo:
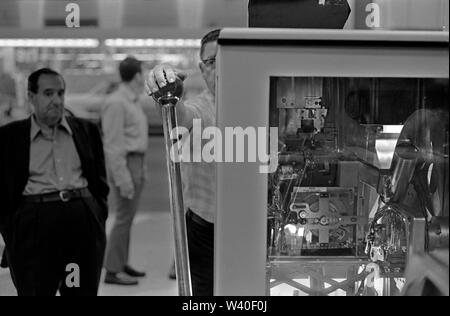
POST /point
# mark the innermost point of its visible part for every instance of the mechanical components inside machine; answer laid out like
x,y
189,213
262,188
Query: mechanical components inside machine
x,y
320,221
388,236
363,163
287,172
312,115
292,233
403,167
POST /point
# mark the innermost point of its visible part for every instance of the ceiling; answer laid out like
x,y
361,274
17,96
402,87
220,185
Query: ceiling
x,y
184,18
193,14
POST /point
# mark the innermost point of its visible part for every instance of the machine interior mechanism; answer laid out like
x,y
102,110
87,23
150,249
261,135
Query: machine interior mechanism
x,y
361,188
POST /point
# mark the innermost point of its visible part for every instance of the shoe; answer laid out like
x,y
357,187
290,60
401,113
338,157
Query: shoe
x,y
133,273
120,279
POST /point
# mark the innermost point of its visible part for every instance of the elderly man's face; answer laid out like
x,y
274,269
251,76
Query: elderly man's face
x,y
208,65
48,102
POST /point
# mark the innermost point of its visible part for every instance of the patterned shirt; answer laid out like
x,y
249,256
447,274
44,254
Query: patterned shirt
x,y
199,178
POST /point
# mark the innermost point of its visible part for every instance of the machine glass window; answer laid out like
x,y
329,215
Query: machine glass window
x,y
361,163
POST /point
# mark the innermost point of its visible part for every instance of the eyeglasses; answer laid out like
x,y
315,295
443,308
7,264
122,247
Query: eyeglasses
x,y
209,62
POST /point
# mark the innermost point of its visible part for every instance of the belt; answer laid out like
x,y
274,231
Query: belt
x,y
135,154
58,196
198,220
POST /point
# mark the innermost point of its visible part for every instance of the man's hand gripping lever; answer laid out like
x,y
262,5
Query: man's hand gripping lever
x,y
165,84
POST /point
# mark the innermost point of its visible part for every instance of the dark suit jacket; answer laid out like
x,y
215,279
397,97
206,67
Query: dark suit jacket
x,y
15,161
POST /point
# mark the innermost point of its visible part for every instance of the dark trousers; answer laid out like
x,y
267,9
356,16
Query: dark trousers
x,y
56,246
200,234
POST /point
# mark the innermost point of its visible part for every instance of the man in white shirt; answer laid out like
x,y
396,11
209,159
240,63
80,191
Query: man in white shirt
x,y
125,130
199,182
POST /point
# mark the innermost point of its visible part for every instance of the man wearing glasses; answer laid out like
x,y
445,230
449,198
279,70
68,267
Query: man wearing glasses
x,y
198,177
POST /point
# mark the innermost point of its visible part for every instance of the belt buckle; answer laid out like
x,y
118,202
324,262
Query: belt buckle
x,y
64,196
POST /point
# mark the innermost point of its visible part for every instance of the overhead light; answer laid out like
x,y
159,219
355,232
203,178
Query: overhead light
x,y
152,42
50,42
392,129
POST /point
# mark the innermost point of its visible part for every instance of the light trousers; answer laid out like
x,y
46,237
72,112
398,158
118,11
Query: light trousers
x,y
118,246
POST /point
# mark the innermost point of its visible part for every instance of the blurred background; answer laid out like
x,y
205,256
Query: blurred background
x,y
34,34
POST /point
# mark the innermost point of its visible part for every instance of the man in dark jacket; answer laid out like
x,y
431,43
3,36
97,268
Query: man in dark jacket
x,y
53,194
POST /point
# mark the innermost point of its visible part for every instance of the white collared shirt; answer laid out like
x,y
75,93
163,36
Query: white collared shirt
x,y
125,130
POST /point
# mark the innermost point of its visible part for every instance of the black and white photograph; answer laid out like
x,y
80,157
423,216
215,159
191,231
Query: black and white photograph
x,y
223,153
